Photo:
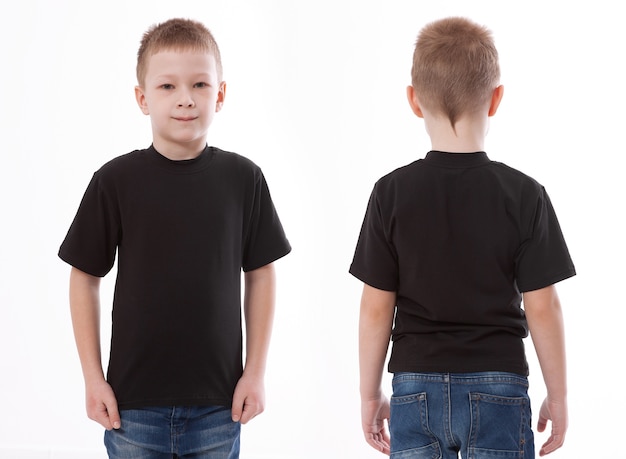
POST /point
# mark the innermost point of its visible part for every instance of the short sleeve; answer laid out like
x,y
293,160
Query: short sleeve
x,y
543,258
375,260
92,239
265,239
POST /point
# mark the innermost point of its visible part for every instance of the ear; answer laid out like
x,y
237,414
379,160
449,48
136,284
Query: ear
x,y
221,95
141,100
496,97
414,102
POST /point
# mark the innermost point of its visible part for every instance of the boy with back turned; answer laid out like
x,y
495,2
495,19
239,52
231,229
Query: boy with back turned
x,y
184,219
450,247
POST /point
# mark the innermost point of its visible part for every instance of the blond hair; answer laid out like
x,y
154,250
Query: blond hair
x,y
455,67
176,34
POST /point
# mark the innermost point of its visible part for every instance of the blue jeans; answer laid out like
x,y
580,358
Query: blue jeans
x,y
479,415
167,432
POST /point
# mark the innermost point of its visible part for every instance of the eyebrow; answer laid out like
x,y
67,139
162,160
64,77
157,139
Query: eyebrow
x,y
172,76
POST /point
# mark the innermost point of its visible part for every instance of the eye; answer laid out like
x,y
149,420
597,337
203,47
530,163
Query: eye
x,y
167,86
201,85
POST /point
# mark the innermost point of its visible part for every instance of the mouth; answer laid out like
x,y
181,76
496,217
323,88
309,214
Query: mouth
x,y
185,118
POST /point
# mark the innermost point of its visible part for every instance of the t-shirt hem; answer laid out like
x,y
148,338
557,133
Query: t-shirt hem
x,y
73,261
280,253
364,277
416,368
138,404
539,284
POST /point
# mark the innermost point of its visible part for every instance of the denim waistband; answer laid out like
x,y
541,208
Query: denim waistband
x,y
464,378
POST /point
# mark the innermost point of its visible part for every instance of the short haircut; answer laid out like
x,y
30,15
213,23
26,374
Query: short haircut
x,y
176,34
455,67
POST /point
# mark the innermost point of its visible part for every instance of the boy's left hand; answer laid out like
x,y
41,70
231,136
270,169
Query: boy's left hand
x,y
248,399
374,413
556,412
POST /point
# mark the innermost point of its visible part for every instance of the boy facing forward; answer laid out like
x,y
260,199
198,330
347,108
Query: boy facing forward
x,y
185,219
449,248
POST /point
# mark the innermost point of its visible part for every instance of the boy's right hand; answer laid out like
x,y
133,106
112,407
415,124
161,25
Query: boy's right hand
x,y
102,405
373,416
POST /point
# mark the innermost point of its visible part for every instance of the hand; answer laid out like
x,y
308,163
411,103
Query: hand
x,y
248,399
557,413
102,405
373,416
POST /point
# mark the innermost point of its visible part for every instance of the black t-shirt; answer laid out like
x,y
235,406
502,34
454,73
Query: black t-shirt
x,y
183,232
458,237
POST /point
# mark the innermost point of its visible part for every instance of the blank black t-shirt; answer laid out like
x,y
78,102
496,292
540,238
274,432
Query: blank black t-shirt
x,y
458,237
183,232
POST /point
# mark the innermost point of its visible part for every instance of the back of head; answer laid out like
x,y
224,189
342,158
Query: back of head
x,y
455,67
179,35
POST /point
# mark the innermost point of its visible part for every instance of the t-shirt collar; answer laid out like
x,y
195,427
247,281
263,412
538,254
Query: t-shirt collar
x,y
445,159
185,166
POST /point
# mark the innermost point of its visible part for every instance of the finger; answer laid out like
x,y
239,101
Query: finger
x,y
541,424
103,420
114,415
553,443
250,411
246,414
379,446
378,443
544,416
101,416
236,408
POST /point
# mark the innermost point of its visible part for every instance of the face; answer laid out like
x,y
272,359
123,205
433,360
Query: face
x,y
181,93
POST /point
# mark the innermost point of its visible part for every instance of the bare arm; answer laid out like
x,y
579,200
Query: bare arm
x,y
545,321
375,322
85,310
249,396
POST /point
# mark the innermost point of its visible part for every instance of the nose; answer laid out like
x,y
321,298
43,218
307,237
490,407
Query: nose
x,y
185,100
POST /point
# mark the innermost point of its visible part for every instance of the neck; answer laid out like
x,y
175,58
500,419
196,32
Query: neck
x,y
467,136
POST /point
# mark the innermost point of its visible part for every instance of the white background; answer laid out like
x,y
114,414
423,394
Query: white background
x,y
316,97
